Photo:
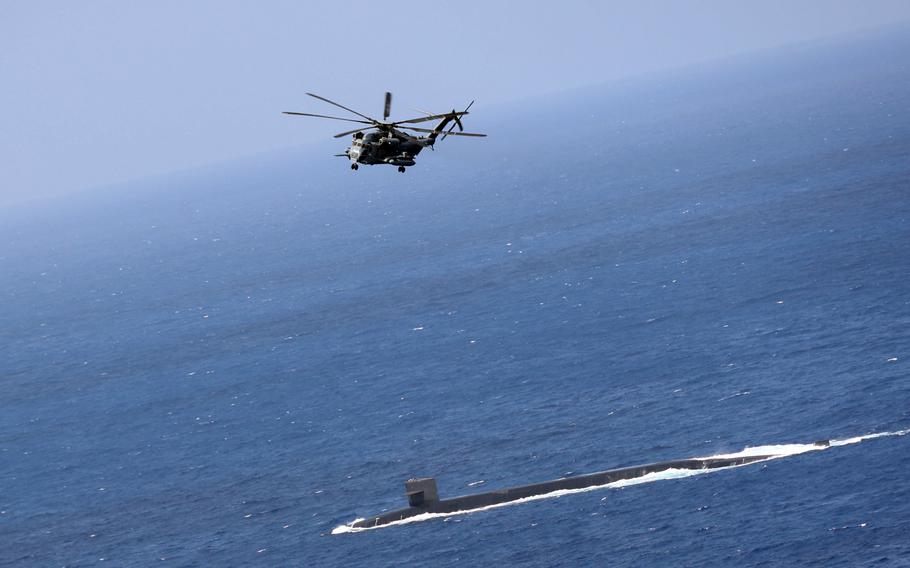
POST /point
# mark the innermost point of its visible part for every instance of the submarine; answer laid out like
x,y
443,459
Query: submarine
x,y
423,495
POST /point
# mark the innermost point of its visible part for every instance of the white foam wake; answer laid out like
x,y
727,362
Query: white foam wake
x,y
773,451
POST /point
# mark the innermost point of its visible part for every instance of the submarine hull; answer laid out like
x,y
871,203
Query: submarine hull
x,y
423,498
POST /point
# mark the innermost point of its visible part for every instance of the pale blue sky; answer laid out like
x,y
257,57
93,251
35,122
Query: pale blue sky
x,y
99,92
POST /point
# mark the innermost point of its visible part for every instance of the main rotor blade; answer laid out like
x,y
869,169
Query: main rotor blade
x,y
372,120
353,131
426,118
325,116
387,110
450,133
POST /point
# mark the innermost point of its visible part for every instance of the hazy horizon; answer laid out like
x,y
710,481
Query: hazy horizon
x,y
169,89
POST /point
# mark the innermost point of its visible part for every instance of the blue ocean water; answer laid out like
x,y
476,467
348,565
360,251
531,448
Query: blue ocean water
x,y
220,367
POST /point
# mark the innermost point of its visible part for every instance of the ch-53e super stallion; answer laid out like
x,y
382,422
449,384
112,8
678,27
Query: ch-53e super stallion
x,y
381,142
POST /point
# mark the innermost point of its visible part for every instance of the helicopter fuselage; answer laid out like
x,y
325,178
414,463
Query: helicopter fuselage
x,y
387,142
392,148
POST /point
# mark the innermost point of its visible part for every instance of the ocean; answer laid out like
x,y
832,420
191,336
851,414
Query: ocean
x,y
225,366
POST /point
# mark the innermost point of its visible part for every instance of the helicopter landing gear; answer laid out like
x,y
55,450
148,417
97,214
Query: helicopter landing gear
x,y
354,167
401,169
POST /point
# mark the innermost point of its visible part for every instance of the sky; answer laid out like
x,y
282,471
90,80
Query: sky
x,y
102,92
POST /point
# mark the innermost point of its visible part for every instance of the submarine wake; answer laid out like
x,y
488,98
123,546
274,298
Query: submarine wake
x,y
631,476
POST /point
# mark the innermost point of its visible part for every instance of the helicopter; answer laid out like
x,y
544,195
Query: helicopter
x,y
381,142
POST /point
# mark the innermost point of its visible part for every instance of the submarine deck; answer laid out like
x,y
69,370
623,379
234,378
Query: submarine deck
x,y
423,499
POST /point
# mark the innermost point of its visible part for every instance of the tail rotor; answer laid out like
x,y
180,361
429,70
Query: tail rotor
x,y
457,122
